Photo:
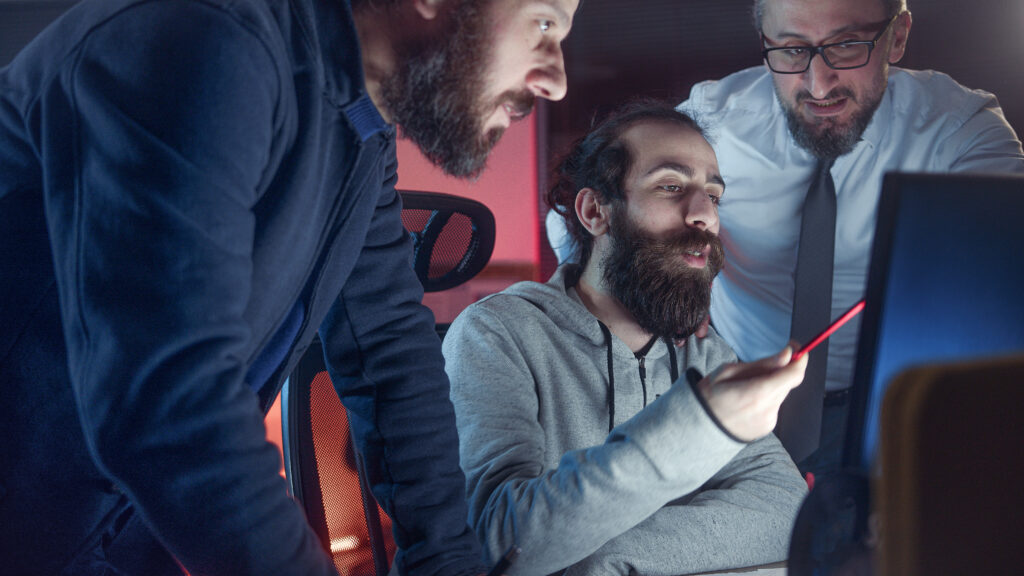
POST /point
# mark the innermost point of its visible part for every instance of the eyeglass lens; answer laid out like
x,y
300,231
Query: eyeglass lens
x,y
797,59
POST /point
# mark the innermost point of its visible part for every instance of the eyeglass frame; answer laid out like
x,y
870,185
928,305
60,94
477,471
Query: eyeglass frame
x,y
820,50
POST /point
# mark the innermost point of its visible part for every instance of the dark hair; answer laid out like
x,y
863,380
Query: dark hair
x,y
600,160
892,8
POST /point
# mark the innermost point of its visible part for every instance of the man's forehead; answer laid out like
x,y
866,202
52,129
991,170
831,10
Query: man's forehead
x,y
563,10
643,128
669,158
819,18
662,143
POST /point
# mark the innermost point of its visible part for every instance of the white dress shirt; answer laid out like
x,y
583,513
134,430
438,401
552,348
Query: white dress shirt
x,y
926,122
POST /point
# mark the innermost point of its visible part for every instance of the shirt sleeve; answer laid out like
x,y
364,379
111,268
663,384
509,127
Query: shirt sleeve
x,y
742,517
154,138
984,143
385,361
559,516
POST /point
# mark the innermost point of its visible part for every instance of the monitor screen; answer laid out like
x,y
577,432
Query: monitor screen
x,y
946,283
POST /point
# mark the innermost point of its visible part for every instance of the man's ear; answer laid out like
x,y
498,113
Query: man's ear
x,y
900,33
592,214
429,9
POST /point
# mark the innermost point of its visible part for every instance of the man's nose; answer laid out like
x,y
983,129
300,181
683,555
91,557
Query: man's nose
x,y
547,80
702,212
820,78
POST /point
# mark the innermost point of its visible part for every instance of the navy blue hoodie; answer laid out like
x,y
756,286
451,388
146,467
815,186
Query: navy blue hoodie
x,y
189,190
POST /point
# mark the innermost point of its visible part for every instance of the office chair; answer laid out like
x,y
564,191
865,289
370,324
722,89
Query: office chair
x,y
951,460
453,240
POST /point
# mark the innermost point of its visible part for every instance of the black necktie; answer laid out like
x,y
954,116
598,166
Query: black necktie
x,y
799,426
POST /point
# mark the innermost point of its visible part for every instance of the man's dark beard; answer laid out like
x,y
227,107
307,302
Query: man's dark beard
x,y
434,96
830,141
665,296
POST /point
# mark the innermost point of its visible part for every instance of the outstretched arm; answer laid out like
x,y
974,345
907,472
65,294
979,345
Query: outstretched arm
x,y
741,517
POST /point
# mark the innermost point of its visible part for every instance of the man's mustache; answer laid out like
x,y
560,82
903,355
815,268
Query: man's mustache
x,y
838,92
520,103
690,239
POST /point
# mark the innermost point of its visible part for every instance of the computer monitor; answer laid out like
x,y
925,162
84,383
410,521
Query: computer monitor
x,y
946,282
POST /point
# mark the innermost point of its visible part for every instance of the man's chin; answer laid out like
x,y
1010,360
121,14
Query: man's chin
x,y
463,169
827,138
825,126
470,166
466,161
491,138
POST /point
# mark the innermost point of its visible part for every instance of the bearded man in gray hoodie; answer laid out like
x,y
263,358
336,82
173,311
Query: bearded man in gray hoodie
x,y
589,434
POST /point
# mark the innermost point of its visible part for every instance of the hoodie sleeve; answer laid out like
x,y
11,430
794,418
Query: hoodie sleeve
x,y
385,361
561,515
741,517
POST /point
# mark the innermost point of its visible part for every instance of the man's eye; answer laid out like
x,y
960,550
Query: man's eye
x,y
545,25
671,187
715,198
848,47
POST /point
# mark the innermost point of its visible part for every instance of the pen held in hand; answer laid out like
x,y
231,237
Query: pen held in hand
x,y
828,331
505,561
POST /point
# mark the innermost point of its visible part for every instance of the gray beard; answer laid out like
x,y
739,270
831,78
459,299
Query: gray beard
x,y
832,141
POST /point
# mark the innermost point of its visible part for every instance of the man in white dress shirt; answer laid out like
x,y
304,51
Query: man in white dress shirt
x,y
827,93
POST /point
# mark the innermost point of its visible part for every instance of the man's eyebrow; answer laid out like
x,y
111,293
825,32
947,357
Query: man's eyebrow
x,y
685,170
841,30
564,18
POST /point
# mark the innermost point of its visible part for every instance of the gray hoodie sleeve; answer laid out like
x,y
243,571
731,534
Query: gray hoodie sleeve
x,y
742,517
560,515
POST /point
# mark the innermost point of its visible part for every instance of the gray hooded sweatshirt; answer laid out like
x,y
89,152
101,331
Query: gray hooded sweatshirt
x,y
537,381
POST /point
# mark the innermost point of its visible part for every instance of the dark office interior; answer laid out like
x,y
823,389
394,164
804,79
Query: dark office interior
x,y
621,49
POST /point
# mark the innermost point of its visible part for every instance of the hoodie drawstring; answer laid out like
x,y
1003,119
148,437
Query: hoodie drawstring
x,y
673,367
611,376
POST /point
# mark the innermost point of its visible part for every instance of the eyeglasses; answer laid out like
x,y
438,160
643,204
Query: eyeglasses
x,y
838,56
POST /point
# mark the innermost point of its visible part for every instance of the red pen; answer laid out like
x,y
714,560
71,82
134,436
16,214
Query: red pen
x,y
828,331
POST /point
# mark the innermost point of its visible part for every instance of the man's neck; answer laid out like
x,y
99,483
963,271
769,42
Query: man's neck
x,y
377,40
387,32
609,310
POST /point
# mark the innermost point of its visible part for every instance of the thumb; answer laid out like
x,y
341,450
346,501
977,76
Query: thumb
x,y
755,369
777,360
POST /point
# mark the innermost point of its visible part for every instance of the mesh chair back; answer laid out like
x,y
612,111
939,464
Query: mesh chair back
x,y
326,474
453,237
453,240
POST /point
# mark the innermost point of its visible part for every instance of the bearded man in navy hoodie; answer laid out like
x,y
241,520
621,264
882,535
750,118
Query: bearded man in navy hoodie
x,y
190,191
